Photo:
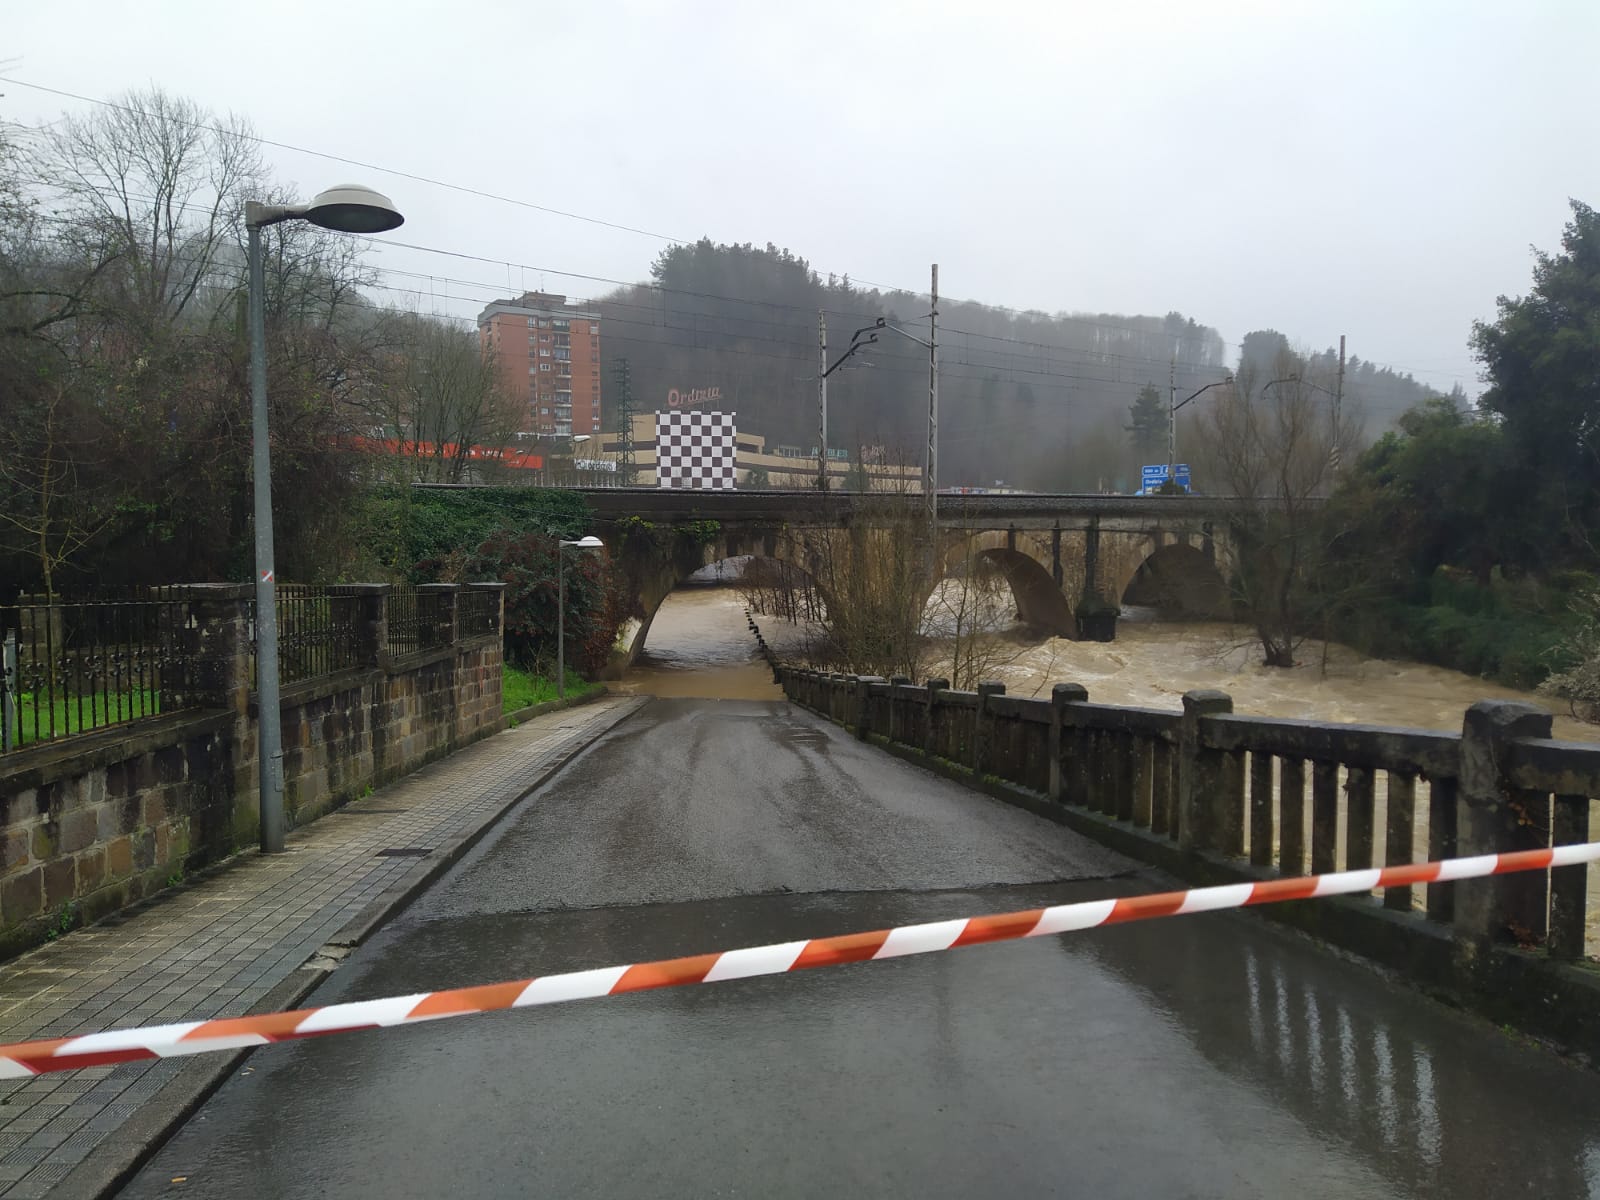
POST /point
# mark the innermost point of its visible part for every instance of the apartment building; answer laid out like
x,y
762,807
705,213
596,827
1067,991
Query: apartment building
x,y
547,353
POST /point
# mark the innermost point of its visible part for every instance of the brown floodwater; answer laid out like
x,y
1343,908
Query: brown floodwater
x,y
699,645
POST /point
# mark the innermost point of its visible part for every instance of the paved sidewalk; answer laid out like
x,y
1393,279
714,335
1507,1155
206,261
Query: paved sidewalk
x,y
236,940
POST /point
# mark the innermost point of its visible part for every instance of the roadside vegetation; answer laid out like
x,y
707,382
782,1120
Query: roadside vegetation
x,y
521,689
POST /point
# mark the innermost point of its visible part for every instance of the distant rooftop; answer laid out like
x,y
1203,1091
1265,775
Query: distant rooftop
x,y
546,304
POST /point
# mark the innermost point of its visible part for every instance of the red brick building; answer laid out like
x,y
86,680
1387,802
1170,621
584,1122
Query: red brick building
x,y
548,356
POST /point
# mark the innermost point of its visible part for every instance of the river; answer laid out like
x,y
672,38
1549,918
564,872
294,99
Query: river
x,y
699,645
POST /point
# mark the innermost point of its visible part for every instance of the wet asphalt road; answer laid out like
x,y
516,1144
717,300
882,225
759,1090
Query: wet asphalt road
x,y
1200,1057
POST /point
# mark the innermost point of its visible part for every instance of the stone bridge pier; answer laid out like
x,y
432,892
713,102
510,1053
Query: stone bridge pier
x,y
1069,573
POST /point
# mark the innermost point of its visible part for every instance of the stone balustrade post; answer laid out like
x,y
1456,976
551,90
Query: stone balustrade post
x,y
983,726
1062,695
864,704
1493,817
935,686
1201,772
896,682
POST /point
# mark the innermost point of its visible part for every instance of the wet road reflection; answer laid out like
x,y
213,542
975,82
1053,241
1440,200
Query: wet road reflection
x,y
1209,1056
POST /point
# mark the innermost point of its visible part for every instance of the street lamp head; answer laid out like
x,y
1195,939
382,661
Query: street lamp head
x,y
351,208
589,542
580,437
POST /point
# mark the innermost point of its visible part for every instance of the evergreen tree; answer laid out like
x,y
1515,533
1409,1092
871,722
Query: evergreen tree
x,y
1540,356
1148,423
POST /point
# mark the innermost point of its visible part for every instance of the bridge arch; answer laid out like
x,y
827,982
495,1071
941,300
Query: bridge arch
x,y
655,590
1178,579
1023,560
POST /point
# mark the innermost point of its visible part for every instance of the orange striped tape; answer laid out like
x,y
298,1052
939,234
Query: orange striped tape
x,y
23,1059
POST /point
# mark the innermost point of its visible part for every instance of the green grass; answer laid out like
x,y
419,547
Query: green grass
x,y
519,689
105,709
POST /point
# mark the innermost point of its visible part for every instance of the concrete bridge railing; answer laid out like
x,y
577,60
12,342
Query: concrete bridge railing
x,y
1218,797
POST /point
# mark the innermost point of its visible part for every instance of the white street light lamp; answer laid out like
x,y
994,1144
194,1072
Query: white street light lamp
x,y
589,542
348,208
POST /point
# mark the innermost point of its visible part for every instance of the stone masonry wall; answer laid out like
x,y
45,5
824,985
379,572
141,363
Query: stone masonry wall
x,y
94,823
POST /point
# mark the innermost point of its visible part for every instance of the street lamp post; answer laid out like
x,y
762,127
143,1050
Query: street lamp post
x,y
584,543
1336,397
931,467
1172,422
347,208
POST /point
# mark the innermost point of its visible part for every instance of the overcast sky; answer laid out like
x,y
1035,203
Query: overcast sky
x,y
1374,169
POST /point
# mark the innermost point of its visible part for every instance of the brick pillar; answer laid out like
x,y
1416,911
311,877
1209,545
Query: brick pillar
x,y
498,587
1201,772
1061,696
983,726
372,622
443,632
1492,817
217,642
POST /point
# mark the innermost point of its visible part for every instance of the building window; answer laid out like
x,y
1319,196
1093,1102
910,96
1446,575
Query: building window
x,y
544,353
543,367
530,322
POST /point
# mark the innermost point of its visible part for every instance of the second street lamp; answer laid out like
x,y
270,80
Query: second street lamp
x,y
584,543
348,208
1172,421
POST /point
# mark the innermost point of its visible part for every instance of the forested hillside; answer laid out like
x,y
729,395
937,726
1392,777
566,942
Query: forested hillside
x,y
1040,400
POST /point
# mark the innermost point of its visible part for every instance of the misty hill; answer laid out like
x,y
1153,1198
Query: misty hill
x,y
1038,399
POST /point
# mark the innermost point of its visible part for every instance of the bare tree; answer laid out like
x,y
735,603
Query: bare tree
x,y
1270,443
966,619
48,509
158,183
873,582
443,397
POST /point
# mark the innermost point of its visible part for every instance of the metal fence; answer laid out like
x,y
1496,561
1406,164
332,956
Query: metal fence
x,y
405,630
318,631
478,613
72,667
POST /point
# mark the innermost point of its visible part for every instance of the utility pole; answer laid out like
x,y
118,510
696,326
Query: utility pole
x,y
1338,401
624,423
933,418
822,401
1172,416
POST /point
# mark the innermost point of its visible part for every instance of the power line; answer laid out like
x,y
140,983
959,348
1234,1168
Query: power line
x,y
484,194
351,162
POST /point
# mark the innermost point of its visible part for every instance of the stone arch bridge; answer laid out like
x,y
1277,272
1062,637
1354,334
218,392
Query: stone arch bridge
x,y
1174,553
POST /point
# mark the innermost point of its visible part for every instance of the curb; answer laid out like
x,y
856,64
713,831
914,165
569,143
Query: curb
x,y
115,1161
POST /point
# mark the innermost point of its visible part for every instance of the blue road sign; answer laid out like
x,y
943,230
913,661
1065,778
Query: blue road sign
x,y
1152,477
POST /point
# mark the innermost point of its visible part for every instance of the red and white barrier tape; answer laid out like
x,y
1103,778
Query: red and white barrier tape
x,y
23,1059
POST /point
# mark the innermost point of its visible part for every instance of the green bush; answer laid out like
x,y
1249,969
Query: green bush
x,y
419,535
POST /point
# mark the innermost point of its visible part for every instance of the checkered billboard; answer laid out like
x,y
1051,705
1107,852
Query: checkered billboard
x,y
695,449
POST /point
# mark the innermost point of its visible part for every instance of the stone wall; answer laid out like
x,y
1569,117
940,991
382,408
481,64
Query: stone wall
x,y
93,823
